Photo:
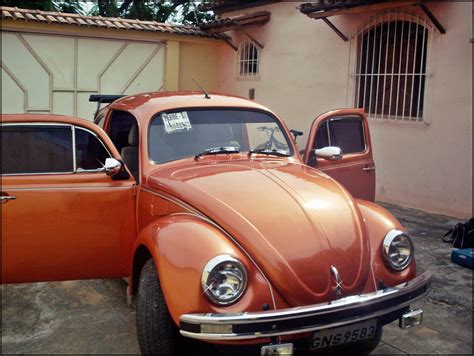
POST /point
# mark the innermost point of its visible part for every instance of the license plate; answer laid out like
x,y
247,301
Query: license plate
x,y
344,334
277,349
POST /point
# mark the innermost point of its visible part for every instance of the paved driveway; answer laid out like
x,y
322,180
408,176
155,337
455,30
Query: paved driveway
x,y
93,316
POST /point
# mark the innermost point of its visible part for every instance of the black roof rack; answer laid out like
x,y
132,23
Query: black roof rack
x,y
101,99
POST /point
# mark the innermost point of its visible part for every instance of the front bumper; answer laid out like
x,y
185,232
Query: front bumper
x,y
253,325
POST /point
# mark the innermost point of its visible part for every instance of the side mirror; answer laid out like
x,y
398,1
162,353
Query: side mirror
x,y
331,153
112,167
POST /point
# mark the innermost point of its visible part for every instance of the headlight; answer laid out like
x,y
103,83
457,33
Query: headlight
x,y
397,250
224,279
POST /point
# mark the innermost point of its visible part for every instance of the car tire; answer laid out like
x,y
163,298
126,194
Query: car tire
x,y
156,330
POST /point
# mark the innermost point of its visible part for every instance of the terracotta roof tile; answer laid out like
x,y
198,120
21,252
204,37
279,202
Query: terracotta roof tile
x,y
61,19
81,22
41,18
18,15
126,25
109,24
6,14
98,21
51,18
90,22
30,16
118,24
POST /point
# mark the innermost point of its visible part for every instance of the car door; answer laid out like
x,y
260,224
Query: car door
x,y
63,217
347,129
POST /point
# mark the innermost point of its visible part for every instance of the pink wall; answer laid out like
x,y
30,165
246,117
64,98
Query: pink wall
x,y
305,71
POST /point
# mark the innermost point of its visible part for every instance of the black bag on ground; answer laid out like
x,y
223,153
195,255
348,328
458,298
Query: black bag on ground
x,y
461,235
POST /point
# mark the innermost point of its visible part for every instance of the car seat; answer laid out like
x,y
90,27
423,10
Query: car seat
x,y
130,153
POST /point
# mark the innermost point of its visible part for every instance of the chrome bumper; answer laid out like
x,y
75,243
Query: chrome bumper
x,y
298,320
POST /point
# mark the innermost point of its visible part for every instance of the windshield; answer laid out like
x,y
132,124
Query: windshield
x,y
189,132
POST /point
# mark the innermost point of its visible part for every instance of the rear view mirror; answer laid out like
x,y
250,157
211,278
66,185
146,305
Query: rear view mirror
x,y
112,167
331,153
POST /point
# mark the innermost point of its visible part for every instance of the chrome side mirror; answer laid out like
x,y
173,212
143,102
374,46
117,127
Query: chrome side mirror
x,y
112,167
331,153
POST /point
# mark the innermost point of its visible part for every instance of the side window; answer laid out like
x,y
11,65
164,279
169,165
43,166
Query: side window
x,y
90,151
322,137
30,149
119,128
346,132
48,149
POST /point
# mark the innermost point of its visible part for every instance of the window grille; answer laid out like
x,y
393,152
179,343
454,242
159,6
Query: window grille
x,y
391,66
248,60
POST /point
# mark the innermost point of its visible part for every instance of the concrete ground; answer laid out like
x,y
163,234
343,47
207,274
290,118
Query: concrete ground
x,y
92,316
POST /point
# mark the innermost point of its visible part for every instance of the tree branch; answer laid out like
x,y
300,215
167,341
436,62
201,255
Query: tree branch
x,y
124,6
172,8
138,5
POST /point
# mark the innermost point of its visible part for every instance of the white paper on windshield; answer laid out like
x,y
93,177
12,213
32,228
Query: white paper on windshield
x,y
176,121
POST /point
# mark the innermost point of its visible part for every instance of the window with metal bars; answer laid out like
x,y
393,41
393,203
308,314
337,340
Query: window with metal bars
x,y
248,60
391,69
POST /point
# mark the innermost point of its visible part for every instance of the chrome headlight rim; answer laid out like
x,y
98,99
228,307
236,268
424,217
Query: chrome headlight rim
x,y
214,263
387,242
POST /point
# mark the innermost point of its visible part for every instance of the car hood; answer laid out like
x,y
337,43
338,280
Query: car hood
x,y
294,221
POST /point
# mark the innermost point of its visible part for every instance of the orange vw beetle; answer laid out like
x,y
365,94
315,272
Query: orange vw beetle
x,y
226,233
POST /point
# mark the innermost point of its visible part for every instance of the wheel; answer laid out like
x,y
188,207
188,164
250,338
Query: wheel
x,y
157,333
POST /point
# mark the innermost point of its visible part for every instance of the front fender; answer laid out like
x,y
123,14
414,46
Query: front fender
x,y
181,245
378,222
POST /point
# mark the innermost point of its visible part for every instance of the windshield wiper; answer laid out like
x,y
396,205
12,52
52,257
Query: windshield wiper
x,y
218,150
271,152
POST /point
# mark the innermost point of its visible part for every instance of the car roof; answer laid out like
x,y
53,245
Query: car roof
x,y
146,105
45,118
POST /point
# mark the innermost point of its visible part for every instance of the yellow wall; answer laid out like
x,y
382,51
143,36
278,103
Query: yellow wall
x,y
172,65
201,63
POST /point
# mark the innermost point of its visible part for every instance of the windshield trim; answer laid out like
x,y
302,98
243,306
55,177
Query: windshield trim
x,y
202,108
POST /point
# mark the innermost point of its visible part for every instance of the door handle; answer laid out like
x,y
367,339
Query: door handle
x,y
5,198
368,169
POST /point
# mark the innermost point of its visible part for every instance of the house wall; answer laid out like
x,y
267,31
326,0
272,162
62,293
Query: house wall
x,y
305,70
201,63
48,68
